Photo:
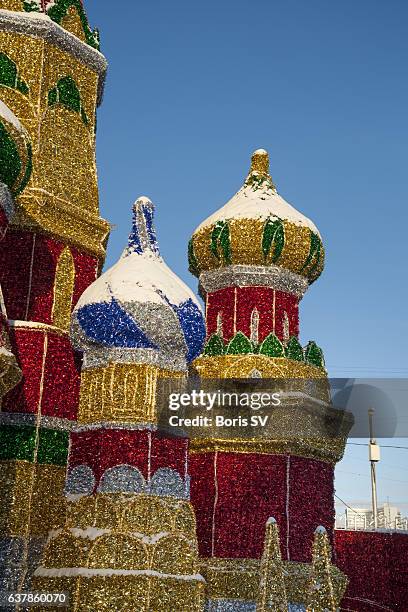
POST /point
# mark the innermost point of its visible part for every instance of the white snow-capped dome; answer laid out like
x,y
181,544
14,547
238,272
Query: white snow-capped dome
x,y
258,228
139,309
258,199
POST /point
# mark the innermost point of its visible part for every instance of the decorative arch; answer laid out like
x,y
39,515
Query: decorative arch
x,y
185,519
255,326
64,551
80,481
285,328
147,515
63,290
80,513
122,478
167,482
107,513
174,554
255,373
118,551
219,325
9,75
66,92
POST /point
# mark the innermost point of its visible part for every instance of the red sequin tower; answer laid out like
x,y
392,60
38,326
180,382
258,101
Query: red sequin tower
x,y
255,258
51,79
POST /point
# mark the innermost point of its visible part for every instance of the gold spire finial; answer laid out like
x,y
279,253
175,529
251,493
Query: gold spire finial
x,y
260,162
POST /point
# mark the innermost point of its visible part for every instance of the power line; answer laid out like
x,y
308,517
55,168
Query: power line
x,y
345,503
382,445
365,476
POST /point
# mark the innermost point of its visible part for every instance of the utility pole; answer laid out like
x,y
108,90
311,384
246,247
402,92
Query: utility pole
x,y
374,457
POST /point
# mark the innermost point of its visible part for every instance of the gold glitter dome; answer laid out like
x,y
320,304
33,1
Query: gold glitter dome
x,y
257,227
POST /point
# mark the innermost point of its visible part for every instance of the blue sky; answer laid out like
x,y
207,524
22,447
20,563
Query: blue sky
x,y
193,88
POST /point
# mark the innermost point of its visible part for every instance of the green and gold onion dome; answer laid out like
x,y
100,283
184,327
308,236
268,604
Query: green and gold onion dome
x,y
257,227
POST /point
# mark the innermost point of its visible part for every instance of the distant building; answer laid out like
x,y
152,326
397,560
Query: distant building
x,y
389,517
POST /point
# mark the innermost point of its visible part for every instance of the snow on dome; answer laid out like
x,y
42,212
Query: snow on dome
x,y
257,228
258,199
139,307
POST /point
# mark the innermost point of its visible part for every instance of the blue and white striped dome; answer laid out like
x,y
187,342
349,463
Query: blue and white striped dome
x,y
139,310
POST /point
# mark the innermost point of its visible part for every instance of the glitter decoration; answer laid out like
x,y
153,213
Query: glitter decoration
x,y
20,443
257,227
273,237
7,209
294,350
236,366
260,162
373,584
125,535
322,595
272,592
231,580
33,296
15,152
25,486
314,354
240,345
58,10
254,311
115,327
229,605
9,75
122,478
192,261
167,482
143,234
67,93
118,392
70,14
146,543
53,170
315,254
115,312
214,346
242,489
50,384
253,276
272,347
10,373
102,448
49,191
220,242
63,289
17,443
18,418
80,480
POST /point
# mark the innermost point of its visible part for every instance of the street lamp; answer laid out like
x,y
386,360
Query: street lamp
x,y
374,457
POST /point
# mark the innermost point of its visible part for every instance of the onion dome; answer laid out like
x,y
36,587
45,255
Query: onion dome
x,y
139,310
257,227
15,152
